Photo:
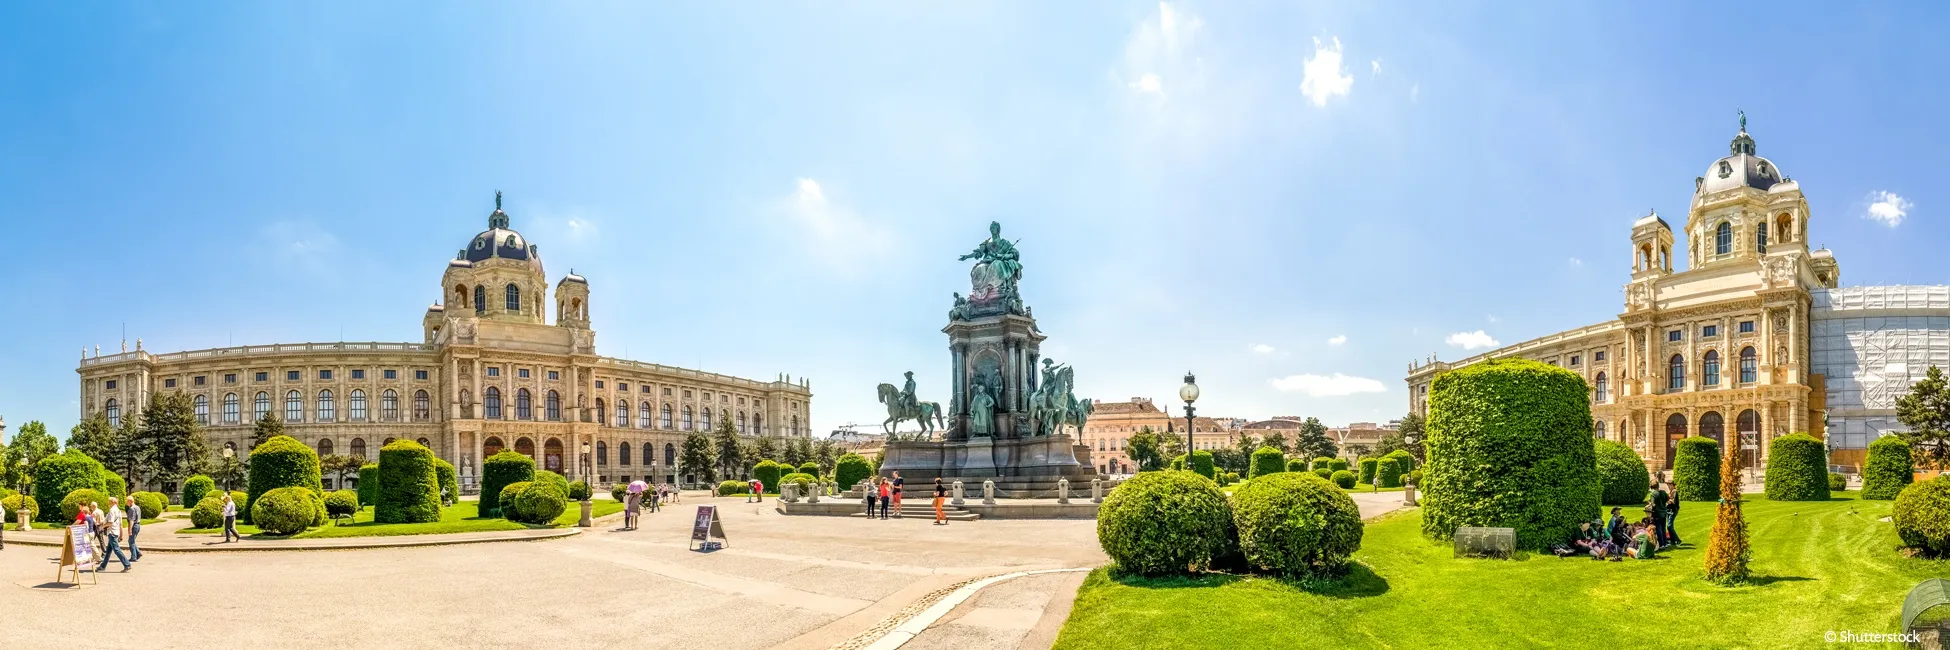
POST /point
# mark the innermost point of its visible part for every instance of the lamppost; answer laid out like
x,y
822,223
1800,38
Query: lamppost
x,y
1189,393
586,505
229,454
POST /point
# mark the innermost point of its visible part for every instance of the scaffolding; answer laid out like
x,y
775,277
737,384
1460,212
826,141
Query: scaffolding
x,y
1870,344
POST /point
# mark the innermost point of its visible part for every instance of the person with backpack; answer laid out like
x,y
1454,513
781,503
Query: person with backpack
x,y
940,495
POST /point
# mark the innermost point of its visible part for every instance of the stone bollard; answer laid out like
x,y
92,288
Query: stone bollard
x,y
812,496
789,493
1062,490
988,493
957,493
1408,494
1096,490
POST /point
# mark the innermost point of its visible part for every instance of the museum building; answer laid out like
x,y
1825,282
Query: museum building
x,y
1754,338
490,374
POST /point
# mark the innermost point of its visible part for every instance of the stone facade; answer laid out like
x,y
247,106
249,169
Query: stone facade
x,y
490,373
1110,427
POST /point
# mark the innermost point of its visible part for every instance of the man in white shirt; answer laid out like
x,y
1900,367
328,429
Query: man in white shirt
x,y
113,528
230,519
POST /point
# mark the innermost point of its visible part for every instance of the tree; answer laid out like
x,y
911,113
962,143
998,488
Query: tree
x,y
1144,449
1727,552
1312,440
266,427
1169,447
1228,459
1245,446
169,445
1926,411
729,450
1278,441
1358,451
767,448
337,465
827,453
93,436
796,452
231,471
696,458
30,444
1407,437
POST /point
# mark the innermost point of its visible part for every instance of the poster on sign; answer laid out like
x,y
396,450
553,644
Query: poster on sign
x,y
77,549
706,527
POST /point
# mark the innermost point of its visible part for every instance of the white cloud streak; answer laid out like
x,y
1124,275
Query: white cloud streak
x,y
1335,385
1337,340
1471,340
1324,76
1262,348
1888,208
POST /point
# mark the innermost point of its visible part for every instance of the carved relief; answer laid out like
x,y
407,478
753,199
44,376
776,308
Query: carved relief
x,y
1637,297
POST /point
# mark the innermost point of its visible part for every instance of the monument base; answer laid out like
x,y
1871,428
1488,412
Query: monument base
x,y
1021,468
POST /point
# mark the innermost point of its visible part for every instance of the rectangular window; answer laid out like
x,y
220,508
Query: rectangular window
x,y
494,371
1676,335
169,383
262,376
291,375
420,375
522,373
1746,327
622,387
687,394
666,391
389,374
199,380
645,389
230,378
554,375
599,384
358,374
110,384
324,375
1574,359
1709,331
1598,356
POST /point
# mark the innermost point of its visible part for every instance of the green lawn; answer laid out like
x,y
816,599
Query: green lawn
x,y
463,517
1819,566
1358,487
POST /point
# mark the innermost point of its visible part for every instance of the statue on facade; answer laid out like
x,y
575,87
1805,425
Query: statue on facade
x,y
993,280
902,406
981,409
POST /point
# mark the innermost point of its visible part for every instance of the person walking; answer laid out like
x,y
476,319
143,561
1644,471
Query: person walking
x,y
230,520
1659,500
135,528
112,547
1672,517
98,524
886,496
899,483
940,495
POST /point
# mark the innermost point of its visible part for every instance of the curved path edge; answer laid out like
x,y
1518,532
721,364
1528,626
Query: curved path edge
x,y
920,622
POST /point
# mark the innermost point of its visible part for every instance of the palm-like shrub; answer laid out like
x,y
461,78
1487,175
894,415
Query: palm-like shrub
x,y
1296,524
497,472
1622,474
409,485
1162,523
1696,470
1797,469
1509,445
59,475
1888,469
1266,460
283,462
286,510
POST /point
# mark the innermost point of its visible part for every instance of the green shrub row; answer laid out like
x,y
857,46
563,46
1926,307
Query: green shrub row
x,y
499,471
1622,474
1531,421
1283,523
1797,469
1888,469
409,485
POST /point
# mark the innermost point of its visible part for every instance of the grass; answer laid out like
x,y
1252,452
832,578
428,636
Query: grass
x,y
463,517
1818,566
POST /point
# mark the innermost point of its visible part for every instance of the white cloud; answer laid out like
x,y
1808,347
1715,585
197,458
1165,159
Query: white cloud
x,y
1262,349
1335,385
1158,49
1577,262
1888,208
1149,83
1337,340
831,226
1324,77
1415,93
1471,340
1376,65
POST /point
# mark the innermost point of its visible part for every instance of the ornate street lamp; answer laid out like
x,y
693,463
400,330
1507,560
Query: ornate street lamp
x,y
228,454
587,506
1189,393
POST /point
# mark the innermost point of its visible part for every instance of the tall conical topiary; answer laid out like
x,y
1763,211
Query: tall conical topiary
x,y
1727,552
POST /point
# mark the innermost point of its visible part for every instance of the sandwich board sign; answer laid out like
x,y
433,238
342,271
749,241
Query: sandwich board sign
x,y
77,549
708,525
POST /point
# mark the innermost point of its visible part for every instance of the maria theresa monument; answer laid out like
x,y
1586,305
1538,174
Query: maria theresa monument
x,y
1007,420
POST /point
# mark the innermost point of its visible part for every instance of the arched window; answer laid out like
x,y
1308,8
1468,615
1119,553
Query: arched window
x,y
741,422
670,453
358,405
202,409
491,402
1603,384
514,298
425,443
260,406
1723,239
622,414
324,446
294,407
602,452
357,447
667,424
389,405
553,404
758,424
1598,430
480,299
623,454
114,412
643,415
687,418
328,409
422,410
601,413
1675,432
1749,366
525,447
1710,368
1713,425
794,432
230,408
1676,373
705,420
524,406
491,446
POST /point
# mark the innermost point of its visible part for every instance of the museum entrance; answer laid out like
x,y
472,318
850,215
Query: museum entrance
x,y
1748,426
1675,432
552,455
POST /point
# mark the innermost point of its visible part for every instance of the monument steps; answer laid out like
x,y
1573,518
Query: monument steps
x,y
911,510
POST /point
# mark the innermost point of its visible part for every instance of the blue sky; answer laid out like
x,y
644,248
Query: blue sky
x,y
1292,200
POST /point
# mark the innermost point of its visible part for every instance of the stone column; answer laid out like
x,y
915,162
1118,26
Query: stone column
x,y
812,495
1062,490
988,493
1096,490
958,488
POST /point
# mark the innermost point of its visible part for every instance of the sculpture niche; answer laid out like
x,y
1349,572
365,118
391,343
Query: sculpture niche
x,y
902,406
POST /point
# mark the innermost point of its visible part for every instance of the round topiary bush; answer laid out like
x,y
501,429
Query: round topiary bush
x,y
1837,482
1509,445
1387,472
1296,524
1368,466
619,492
1266,460
1337,464
1343,478
805,482
409,485
283,462
1413,477
116,486
579,491
1888,469
1403,459
285,510
1322,472
343,503
197,487
1696,469
152,503
768,473
17,503
729,488
76,500
1797,469
1161,523
238,498
1322,462
208,513
809,467
1922,516
497,472
368,488
850,470
540,503
560,482
1296,465
59,475
1203,464
1622,473
507,498
449,482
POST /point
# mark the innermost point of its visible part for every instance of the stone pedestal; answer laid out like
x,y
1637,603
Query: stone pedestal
x,y
587,509
1019,468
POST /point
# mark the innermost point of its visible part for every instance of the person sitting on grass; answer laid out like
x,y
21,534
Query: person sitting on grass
x,y
1587,540
1617,535
1644,544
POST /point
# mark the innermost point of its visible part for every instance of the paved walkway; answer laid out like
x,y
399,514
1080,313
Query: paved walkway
x,y
162,536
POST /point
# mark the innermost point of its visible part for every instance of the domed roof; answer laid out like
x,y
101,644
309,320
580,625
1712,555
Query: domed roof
x,y
572,277
1741,168
499,240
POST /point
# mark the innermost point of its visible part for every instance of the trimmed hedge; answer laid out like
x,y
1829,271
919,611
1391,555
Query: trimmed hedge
x,y
579,491
540,503
116,486
809,467
1296,465
805,482
283,462
343,503
152,503
728,488
507,498
1403,459
1888,469
1509,445
1337,464
208,512
1622,474
285,510
197,487
368,488
59,475
1837,482
15,503
560,483
1696,470
1367,470
768,473
1387,472
1322,472
1296,524
1413,477
1922,516
1343,478
497,472
1797,469
850,470
409,485
72,504
620,492
1203,464
1160,523
449,481
1266,460
1323,462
